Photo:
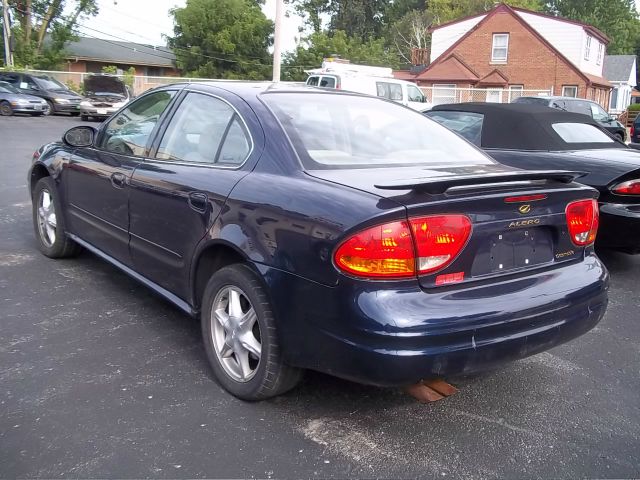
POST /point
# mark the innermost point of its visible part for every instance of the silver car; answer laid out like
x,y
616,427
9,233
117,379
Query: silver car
x,y
12,101
104,95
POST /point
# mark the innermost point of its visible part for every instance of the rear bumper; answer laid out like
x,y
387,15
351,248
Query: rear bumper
x,y
397,337
619,227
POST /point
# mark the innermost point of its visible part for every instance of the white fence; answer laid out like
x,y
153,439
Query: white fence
x,y
438,95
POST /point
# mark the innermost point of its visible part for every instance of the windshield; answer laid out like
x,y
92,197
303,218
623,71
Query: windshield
x,y
344,131
48,83
8,88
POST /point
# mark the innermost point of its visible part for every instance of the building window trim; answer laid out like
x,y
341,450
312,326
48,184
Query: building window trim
x,y
500,48
518,90
600,53
566,88
587,48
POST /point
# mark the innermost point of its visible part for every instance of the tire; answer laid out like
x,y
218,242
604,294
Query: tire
x,y
48,222
264,374
49,109
74,114
36,114
5,109
619,137
84,118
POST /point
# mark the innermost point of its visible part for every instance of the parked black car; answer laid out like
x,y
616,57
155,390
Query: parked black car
x,y
634,134
312,228
532,137
585,107
59,98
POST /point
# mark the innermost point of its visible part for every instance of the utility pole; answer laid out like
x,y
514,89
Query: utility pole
x,y
6,29
277,41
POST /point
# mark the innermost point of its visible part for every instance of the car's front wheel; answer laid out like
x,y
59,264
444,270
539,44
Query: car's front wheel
x,y
48,108
48,222
240,336
619,137
5,109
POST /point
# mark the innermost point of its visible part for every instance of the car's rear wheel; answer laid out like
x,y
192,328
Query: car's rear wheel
x,y
240,336
48,108
48,222
84,118
619,137
5,109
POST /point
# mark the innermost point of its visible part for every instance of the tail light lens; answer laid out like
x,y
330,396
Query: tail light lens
x,y
583,220
632,130
403,249
632,187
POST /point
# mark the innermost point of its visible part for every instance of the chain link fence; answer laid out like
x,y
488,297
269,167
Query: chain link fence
x,y
438,95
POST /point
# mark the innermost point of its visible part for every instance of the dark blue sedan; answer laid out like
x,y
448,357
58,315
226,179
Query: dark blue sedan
x,y
325,230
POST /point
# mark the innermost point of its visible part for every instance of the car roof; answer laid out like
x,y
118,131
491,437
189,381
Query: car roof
x,y
558,97
524,126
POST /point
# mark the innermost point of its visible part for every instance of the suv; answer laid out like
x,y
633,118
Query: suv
x,y
579,105
59,98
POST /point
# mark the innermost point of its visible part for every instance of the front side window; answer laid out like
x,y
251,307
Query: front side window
x,y
414,94
587,48
581,133
344,131
328,82
204,130
598,113
500,47
129,131
570,91
313,81
466,124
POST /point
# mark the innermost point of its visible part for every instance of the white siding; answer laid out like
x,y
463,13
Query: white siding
x,y
632,75
590,66
444,37
567,38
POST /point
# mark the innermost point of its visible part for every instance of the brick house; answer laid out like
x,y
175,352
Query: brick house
x,y
508,50
89,55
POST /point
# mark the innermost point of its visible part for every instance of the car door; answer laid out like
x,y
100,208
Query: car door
x,y
178,192
604,119
97,178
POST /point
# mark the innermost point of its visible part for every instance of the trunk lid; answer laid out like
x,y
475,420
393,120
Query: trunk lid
x,y
518,217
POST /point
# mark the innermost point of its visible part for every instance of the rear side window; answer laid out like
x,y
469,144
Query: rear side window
x,y
392,91
204,130
577,106
331,131
581,133
466,124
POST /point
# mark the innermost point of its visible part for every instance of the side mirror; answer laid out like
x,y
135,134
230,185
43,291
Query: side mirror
x,y
82,136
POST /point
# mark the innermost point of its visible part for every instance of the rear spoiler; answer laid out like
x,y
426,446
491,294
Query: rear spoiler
x,y
435,185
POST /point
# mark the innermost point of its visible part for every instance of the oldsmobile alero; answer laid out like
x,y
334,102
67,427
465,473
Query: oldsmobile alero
x,y
324,230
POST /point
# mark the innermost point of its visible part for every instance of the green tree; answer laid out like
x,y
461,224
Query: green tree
x,y
42,29
222,39
618,19
317,46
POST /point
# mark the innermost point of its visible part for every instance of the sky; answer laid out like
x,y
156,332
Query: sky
x,y
145,21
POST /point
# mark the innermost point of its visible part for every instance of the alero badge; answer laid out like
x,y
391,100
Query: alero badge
x,y
524,209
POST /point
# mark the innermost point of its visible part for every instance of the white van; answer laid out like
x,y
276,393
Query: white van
x,y
377,81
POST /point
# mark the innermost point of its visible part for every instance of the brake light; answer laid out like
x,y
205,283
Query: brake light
x,y
631,131
583,220
526,198
400,249
631,187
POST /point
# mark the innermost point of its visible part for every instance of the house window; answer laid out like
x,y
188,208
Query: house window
x,y
587,48
500,47
515,91
494,95
600,53
444,93
570,91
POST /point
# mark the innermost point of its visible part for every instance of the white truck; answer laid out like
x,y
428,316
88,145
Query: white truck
x,y
377,81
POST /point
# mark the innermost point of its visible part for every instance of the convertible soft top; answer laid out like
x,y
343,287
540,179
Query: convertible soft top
x,y
521,126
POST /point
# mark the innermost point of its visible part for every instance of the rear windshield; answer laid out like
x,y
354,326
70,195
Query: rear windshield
x,y
345,131
581,133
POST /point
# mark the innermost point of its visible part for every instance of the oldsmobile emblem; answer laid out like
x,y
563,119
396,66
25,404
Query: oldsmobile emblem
x,y
523,209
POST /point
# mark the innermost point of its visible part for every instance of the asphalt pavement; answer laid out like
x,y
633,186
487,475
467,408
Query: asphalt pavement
x,y
100,378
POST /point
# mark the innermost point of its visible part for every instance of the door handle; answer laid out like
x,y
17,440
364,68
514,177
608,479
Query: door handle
x,y
198,201
118,180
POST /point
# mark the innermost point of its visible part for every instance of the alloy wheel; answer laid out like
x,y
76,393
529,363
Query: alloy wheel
x,y
5,109
46,218
235,333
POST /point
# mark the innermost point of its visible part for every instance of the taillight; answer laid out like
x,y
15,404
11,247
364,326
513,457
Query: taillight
x,y
631,187
631,131
583,220
402,249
